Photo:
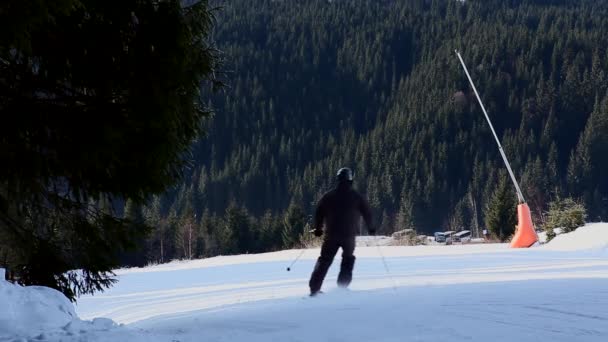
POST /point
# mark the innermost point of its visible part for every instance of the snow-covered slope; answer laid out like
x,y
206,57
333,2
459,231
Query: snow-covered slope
x,y
42,313
32,309
435,293
591,237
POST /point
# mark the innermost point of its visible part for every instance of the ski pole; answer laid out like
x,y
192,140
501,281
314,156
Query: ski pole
x,y
298,258
304,250
385,264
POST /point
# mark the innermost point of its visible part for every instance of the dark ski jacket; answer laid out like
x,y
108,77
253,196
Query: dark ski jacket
x,y
341,209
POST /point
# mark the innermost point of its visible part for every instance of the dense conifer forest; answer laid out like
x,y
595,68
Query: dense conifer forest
x,y
375,85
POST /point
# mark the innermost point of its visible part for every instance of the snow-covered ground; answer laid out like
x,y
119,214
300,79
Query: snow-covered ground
x,y
557,292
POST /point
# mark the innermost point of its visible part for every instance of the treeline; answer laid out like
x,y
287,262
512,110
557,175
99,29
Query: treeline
x,y
189,236
376,86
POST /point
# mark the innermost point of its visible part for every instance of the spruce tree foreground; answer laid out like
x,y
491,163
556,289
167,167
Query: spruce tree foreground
x,y
100,102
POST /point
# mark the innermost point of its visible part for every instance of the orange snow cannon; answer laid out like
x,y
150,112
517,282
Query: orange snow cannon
x,y
525,235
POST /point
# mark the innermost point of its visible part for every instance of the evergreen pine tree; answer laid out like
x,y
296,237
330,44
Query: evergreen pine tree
x,y
588,165
501,212
293,225
99,101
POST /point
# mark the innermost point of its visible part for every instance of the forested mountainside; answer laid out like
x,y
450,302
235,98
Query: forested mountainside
x,y
376,86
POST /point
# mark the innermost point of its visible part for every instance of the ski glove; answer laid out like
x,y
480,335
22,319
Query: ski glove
x,y
372,232
318,232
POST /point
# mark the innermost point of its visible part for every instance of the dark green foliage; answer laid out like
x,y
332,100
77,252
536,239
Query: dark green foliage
x,y
157,242
589,162
100,101
375,86
566,214
404,218
329,84
293,226
136,256
51,243
235,229
501,212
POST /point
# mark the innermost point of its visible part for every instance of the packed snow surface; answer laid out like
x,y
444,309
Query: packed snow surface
x,y
481,292
591,237
34,309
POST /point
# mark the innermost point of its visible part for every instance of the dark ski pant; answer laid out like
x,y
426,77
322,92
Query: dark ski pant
x,y
328,252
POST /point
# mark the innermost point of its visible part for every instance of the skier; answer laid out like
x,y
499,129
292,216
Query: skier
x,y
340,210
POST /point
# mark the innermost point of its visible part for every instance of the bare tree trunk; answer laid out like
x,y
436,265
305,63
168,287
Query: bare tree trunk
x,y
182,241
475,216
189,240
162,250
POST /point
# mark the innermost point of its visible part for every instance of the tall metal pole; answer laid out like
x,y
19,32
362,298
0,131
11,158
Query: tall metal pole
x,y
520,196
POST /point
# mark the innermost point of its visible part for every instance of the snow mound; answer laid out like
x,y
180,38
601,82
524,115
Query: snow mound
x,y
593,236
371,241
542,236
41,313
33,308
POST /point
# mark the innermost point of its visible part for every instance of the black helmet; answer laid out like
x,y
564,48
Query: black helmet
x,y
345,174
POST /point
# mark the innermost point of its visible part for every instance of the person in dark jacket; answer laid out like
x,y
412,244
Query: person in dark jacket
x,y
340,210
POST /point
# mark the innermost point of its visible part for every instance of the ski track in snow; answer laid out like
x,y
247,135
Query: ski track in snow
x,y
486,292
460,293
